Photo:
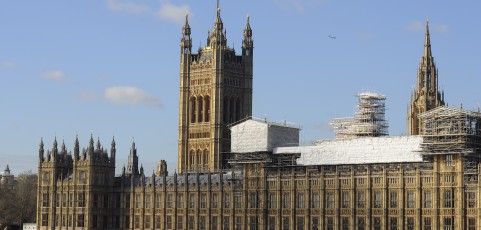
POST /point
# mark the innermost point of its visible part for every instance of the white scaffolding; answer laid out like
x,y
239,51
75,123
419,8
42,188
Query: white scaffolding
x,y
368,121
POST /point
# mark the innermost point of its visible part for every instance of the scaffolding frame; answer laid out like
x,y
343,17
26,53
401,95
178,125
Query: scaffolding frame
x,y
368,121
447,130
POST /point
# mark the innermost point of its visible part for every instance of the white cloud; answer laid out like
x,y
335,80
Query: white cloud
x,y
297,5
56,75
127,95
8,64
421,26
127,6
87,96
415,26
442,28
171,12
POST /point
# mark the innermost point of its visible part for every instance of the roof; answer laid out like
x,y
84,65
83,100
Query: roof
x,y
368,150
265,121
445,111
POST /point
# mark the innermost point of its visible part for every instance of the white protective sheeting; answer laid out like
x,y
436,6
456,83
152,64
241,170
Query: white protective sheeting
x,y
359,151
256,135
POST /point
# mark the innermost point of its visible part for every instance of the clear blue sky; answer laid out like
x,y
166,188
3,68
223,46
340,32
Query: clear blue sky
x,y
111,67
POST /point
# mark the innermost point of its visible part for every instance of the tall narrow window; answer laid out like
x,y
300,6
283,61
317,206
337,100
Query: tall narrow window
x,y
448,223
253,200
226,110
471,195
207,109
300,222
315,200
226,223
410,223
158,201
427,199
286,201
157,222
200,109
238,223
191,201
192,110
169,201
206,157
272,223
272,200
361,223
180,222
449,160
377,200
410,203
330,200
226,200
213,223
215,200
448,199
203,201
285,223
377,223
393,223
330,223
361,199
471,223
315,223
238,109
300,200
345,200
232,110
238,200
427,223
345,223
393,199
137,200
180,200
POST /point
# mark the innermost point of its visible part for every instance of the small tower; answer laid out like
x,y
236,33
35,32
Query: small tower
x,y
76,149
215,91
41,152
426,95
113,150
133,165
162,168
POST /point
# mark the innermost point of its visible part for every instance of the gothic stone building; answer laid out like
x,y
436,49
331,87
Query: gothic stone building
x,y
215,90
267,181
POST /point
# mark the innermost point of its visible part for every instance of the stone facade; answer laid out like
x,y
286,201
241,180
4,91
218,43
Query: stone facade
x,y
215,90
266,190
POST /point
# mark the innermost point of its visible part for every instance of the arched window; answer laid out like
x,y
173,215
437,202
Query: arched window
x,y
226,109
191,157
232,110
238,110
206,157
200,109
192,110
199,156
207,108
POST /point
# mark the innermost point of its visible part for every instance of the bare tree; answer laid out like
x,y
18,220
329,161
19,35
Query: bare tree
x,y
18,203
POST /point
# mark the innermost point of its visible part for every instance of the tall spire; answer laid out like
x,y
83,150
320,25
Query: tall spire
x,y
427,43
186,27
426,95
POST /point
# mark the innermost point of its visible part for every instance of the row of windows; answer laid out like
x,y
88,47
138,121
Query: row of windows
x,y
199,135
68,221
300,202
80,200
199,109
204,81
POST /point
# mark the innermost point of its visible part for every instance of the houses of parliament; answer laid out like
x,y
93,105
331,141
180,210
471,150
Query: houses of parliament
x,y
242,173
